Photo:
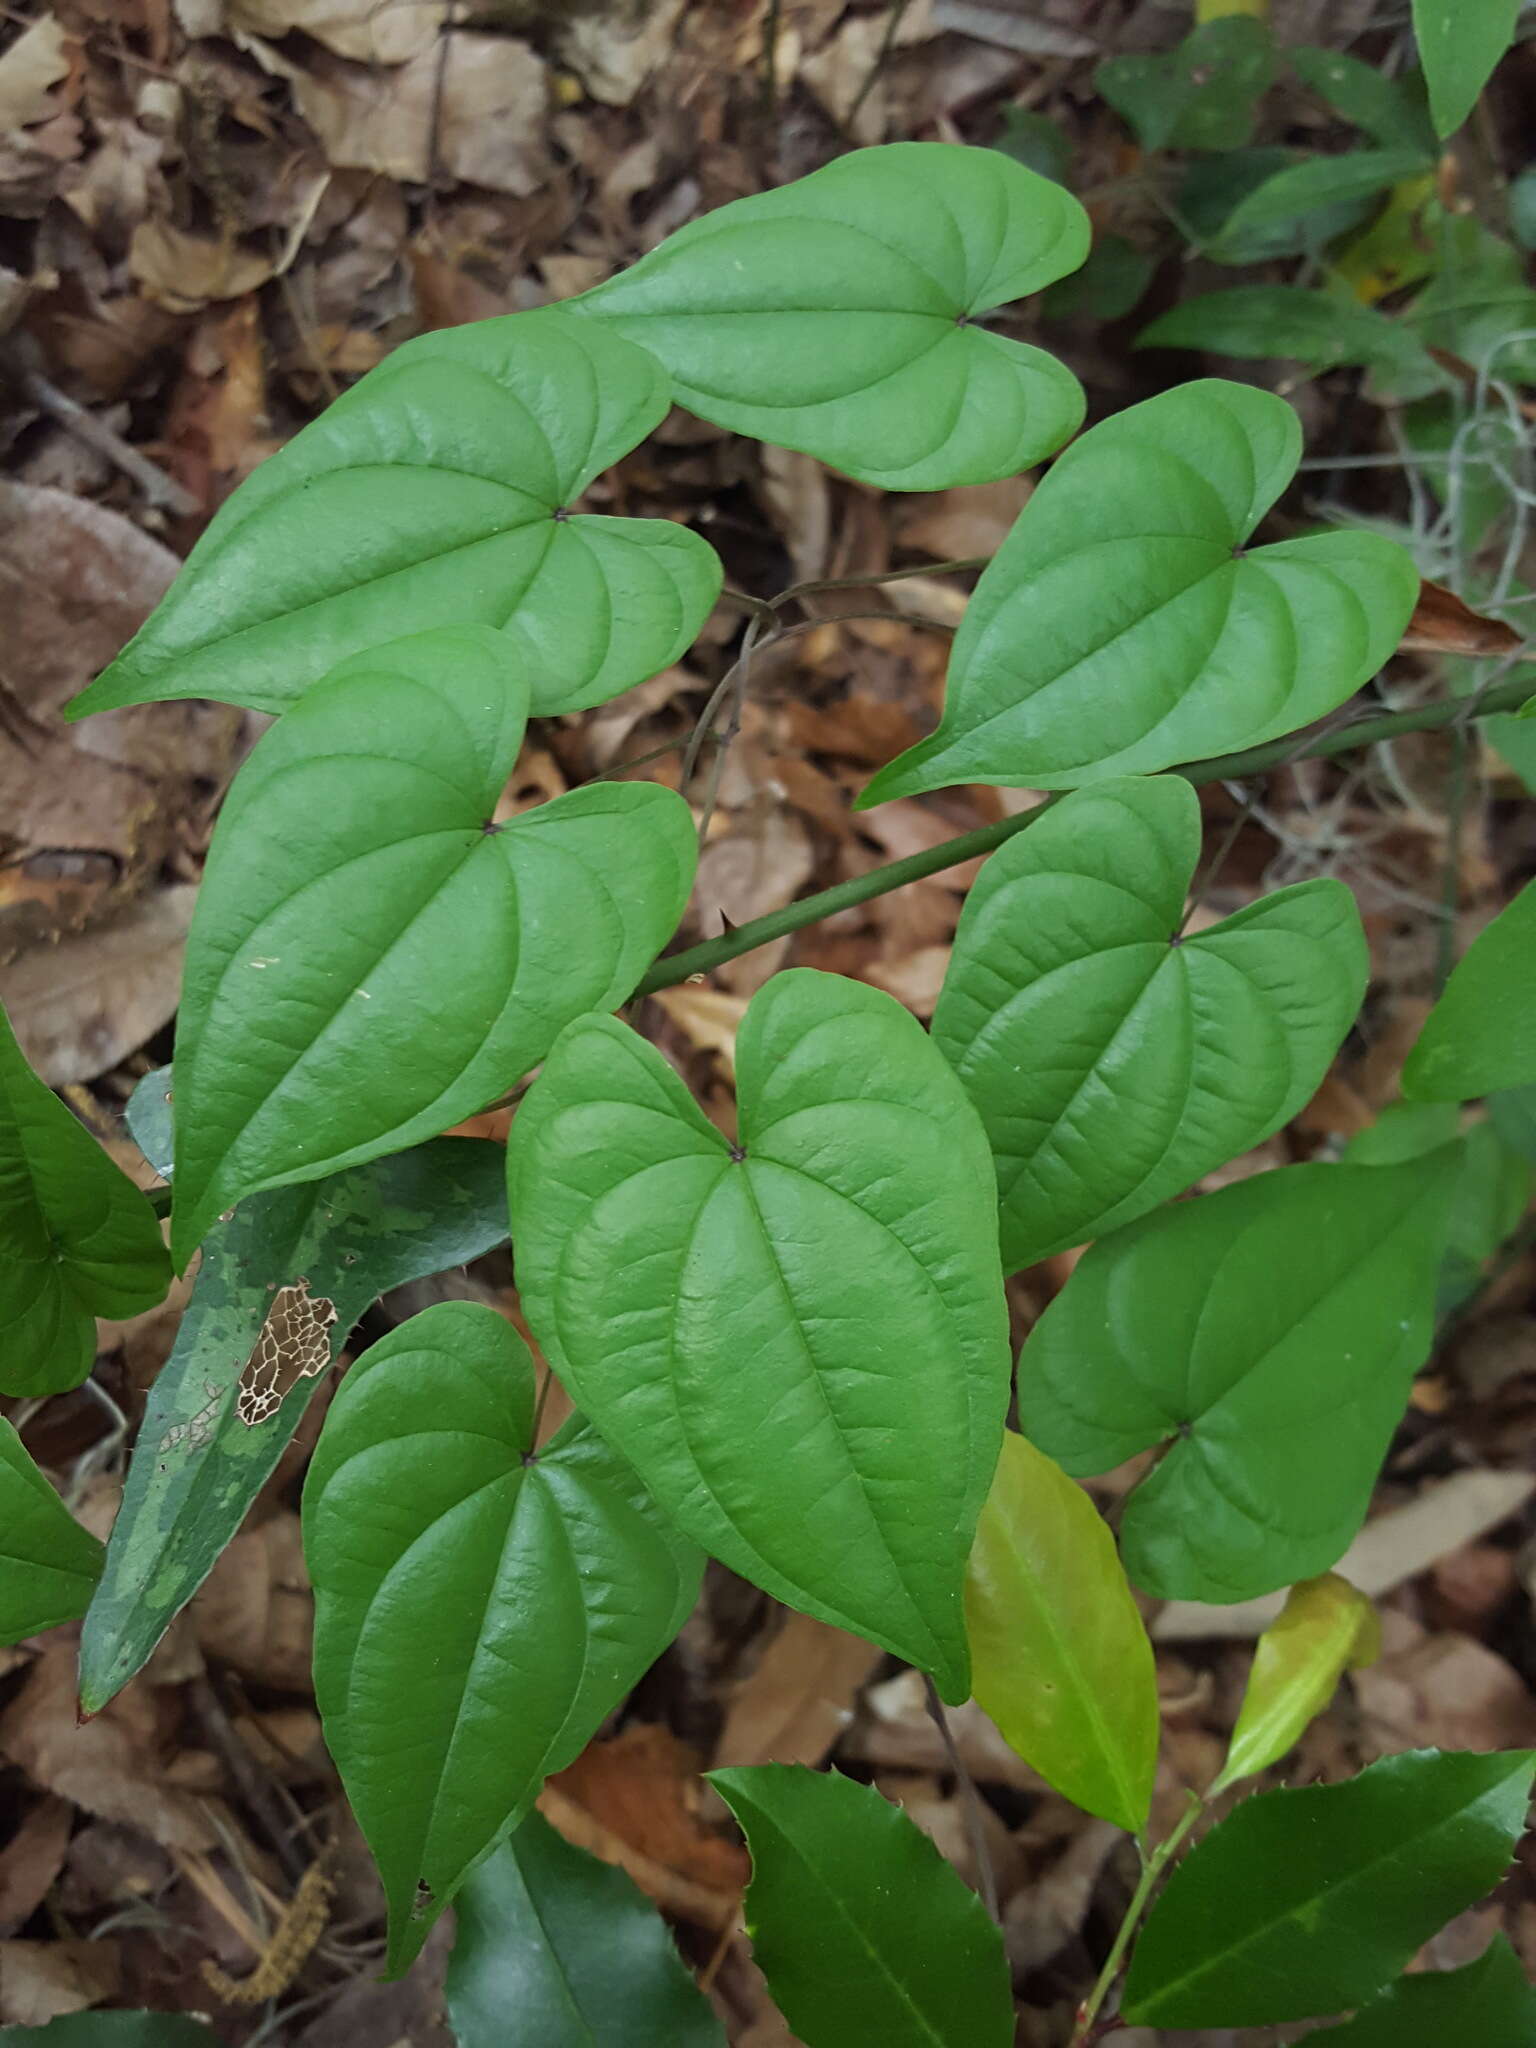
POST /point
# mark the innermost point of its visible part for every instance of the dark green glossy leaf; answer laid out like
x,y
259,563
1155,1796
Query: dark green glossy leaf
x,y
1320,328
1326,1627
1113,1062
799,1342
1478,1038
371,960
1392,111
1489,2004
79,1239
1304,1903
557,1950
478,1610
1460,42
1059,1656
1267,1334
436,492
866,1935
48,1563
197,1467
1319,181
1124,624
1492,1183
835,314
113,2030
1203,95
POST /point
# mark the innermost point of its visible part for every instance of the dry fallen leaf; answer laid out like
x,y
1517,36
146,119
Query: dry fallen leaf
x,y
361,29
185,272
797,1702
1442,624
1445,1692
32,1859
43,1980
255,1610
642,1786
34,63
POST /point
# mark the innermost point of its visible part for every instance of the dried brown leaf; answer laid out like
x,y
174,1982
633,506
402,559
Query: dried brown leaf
x,y
797,1702
1442,624
43,1980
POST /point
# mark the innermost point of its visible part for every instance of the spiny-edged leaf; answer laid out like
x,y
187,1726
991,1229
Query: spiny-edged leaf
x,y
478,1609
1326,1627
113,2030
1392,111
48,1563
867,1937
1318,181
1488,2004
436,492
1123,625
557,1950
1316,327
1268,1334
1492,1181
196,1467
371,959
1059,1656
1202,95
79,1239
1112,1061
1307,1902
1460,42
834,314
1479,1036
799,1341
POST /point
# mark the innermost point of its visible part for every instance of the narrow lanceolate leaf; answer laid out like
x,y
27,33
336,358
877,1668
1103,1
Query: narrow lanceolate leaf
x,y
1315,327
866,1935
372,959
1124,624
1489,2002
1267,1334
48,1563
1479,1037
1059,1656
437,492
79,1239
1321,181
835,314
1114,1062
1309,1902
196,1467
557,1950
1327,1626
1460,42
798,1341
478,1610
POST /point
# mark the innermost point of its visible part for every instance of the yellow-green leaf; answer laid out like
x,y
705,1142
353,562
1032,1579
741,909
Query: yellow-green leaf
x,y
1326,1627
1059,1657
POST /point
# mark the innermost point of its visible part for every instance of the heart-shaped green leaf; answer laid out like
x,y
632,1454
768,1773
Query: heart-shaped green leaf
x,y
437,492
478,1609
1479,1036
1059,1656
835,314
1326,1627
371,959
48,1563
1267,1334
568,1945
1113,1062
799,1341
1489,2001
867,1937
1304,1903
79,1239
196,1467
1124,625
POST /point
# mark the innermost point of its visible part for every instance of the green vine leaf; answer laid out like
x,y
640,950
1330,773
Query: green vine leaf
x,y
1490,2001
1316,327
437,492
80,1240
1267,1335
867,1937
371,959
48,1563
698,1299
1319,181
1478,1038
1305,1903
1459,45
1059,1656
1204,94
836,314
196,1467
1113,1062
1125,625
569,1945
478,1610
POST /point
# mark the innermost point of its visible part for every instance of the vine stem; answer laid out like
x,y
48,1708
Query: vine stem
x,y
915,867
1152,1868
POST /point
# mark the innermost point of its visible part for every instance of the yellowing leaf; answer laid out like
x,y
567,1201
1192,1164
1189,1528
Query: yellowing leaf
x,y
1326,1626
1059,1657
